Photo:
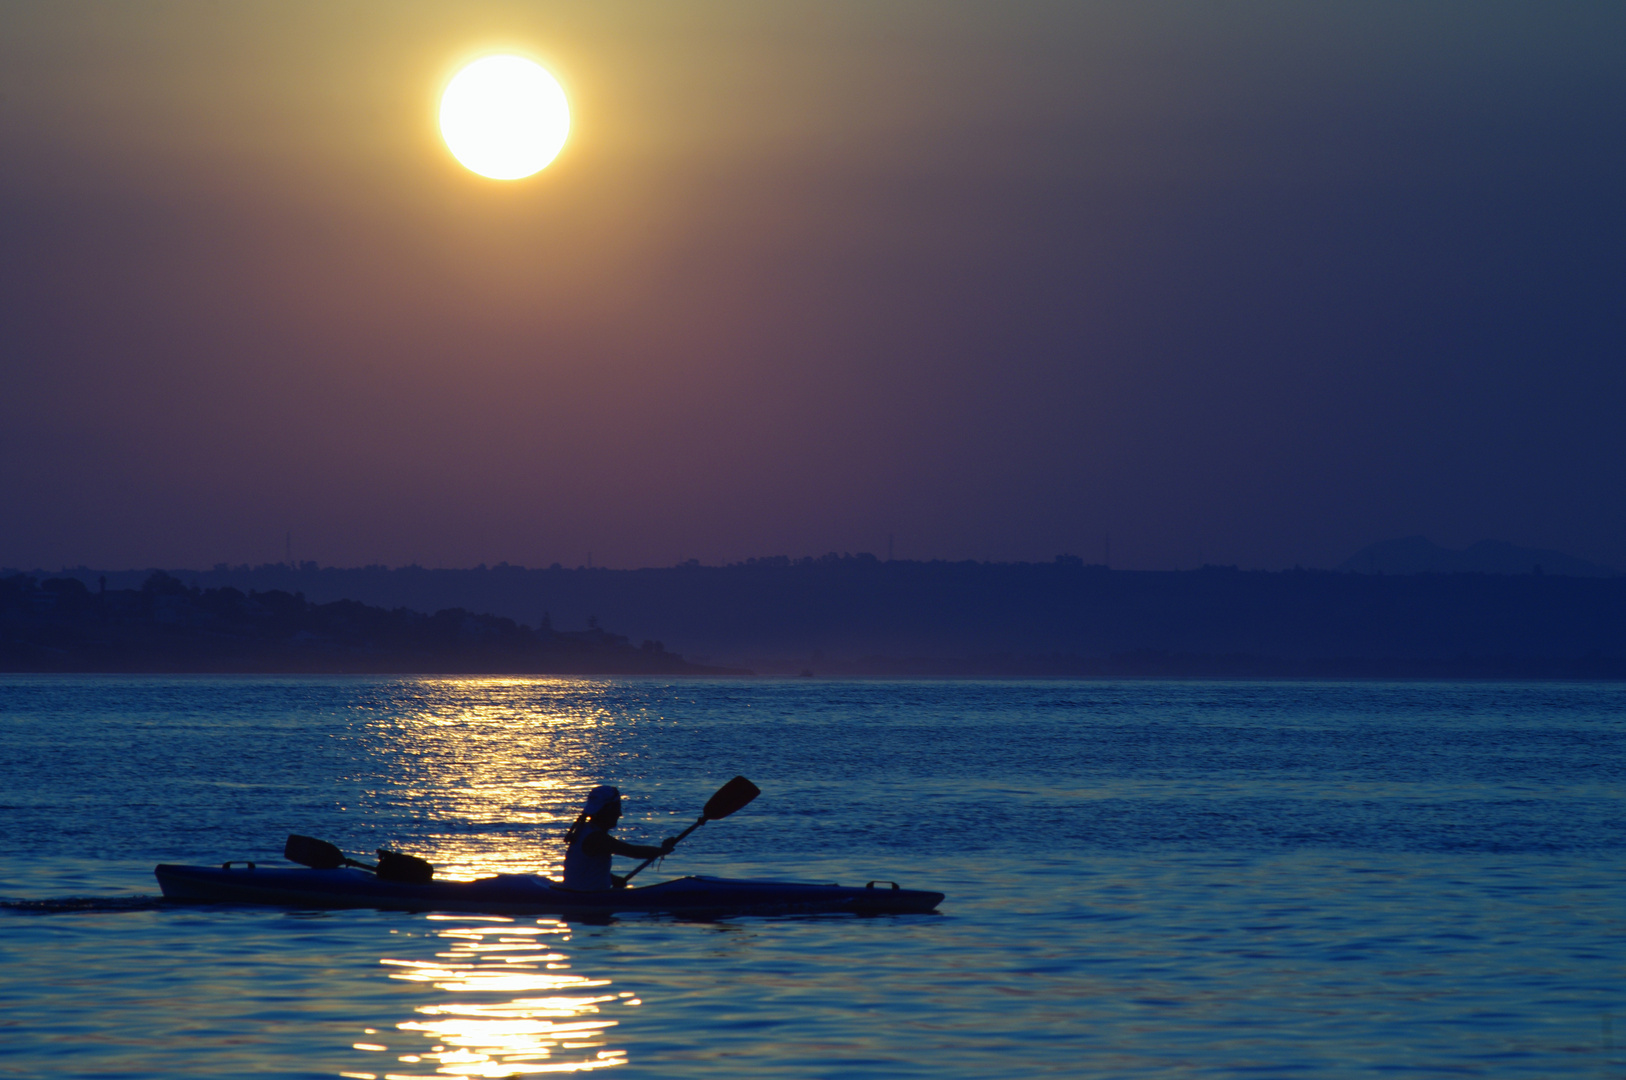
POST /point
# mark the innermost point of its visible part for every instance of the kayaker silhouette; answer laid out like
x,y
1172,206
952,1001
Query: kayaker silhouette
x,y
589,845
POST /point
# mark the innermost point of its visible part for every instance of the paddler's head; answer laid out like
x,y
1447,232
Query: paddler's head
x,y
603,806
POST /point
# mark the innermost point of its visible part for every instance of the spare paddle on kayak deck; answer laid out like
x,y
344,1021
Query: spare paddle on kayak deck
x,y
321,855
399,866
729,798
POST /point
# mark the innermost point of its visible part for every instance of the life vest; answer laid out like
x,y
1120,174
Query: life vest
x,y
586,870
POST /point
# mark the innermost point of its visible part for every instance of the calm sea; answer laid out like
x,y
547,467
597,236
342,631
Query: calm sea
x,y
1144,879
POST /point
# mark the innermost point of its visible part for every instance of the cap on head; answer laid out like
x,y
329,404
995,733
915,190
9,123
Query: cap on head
x,y
600,797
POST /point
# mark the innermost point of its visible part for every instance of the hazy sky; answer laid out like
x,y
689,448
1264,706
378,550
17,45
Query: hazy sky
x,y
1240,283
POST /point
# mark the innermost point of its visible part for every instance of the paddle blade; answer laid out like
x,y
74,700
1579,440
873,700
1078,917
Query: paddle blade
x,y
311,852
398,866
729,798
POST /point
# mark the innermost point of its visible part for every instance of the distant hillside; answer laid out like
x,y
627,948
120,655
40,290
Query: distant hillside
x,y
860,615
1418,555
61,625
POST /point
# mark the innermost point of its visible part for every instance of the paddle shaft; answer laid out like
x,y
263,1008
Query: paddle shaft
x,y
729,798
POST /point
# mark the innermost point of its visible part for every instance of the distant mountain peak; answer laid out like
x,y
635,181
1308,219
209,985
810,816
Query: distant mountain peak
x,y
1419,555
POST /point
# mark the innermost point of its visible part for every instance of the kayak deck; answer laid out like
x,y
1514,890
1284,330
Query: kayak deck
x,y
525,894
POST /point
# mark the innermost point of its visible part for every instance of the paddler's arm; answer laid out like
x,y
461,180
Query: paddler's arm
x,y
596,843
640,851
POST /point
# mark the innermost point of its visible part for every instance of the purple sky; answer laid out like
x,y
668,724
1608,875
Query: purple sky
x,y
1253,284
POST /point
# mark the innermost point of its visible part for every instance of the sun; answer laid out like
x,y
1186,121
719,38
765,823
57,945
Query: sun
x,y
504,117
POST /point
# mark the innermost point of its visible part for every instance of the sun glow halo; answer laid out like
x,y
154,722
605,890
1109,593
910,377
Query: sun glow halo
x,y
504,117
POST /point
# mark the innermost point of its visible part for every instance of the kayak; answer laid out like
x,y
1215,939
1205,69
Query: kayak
x,y
527,894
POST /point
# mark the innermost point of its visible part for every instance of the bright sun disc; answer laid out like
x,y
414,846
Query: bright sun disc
x,y
504,117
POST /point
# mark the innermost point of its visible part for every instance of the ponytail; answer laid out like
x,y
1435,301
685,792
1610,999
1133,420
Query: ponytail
x,y
575,830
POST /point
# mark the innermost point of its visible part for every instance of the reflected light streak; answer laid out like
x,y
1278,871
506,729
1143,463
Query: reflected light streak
x,y
548,1021
502,762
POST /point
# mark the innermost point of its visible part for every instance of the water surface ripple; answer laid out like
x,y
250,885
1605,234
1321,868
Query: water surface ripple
x,y
1144,879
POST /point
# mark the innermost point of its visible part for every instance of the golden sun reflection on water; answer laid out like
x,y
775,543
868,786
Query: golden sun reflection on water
x,y
516,1009
502,764
497,767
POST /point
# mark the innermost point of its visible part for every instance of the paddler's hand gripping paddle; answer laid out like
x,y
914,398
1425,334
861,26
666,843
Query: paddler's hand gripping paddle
x,y
729,798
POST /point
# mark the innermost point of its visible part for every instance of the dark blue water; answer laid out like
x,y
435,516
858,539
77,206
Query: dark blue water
x,y
1144,879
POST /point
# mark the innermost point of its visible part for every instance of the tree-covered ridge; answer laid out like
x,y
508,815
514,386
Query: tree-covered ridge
x,y
60,624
